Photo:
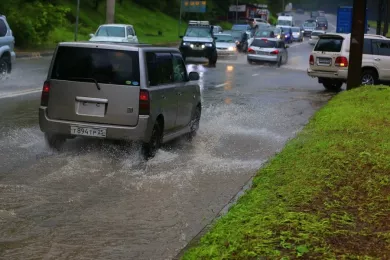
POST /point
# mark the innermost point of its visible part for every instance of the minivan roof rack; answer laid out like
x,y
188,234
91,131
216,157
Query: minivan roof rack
x,y
202,23
375,35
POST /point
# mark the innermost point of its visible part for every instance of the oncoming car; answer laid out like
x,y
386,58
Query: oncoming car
x,y
115,33
226,45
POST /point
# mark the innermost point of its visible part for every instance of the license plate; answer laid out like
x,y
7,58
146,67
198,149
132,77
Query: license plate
x,y
198,48
323,61
262,52
88,131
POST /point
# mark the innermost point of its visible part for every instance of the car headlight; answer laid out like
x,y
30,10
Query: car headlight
x,y
278,36
231,49
208,44
186,44
237,42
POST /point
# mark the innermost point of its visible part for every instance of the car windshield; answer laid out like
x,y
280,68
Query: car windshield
x,y
310,24
317,33
236,34
224,38
277,31
286,29
241,27
329,45
103,65
284,22
264,43
295,29
111,31
198,32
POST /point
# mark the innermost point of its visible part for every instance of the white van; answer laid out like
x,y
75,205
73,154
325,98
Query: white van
x,y
285,21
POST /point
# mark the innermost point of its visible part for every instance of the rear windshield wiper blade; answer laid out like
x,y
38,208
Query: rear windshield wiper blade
x,y
87,79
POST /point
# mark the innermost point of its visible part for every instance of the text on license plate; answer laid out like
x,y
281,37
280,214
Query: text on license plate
x,y
88,131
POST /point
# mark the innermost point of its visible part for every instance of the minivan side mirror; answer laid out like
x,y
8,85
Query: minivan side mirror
x,y
91,35
193,76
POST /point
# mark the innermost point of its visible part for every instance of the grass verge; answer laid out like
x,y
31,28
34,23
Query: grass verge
x,y
373,25
325,196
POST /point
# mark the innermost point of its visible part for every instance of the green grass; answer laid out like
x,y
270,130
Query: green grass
x,y
147,23
325,196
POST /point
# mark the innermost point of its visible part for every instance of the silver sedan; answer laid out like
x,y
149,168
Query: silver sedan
x,y
268,50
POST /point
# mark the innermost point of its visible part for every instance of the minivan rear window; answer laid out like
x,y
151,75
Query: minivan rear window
x,y
329,44
103,65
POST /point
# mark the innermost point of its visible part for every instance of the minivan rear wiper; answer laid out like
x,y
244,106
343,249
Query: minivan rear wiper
x,y
87,79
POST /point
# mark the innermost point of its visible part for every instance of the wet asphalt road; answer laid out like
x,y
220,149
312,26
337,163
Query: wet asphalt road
x,y
100,200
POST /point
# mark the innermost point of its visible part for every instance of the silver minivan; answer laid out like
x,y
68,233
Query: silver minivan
x,y
119,91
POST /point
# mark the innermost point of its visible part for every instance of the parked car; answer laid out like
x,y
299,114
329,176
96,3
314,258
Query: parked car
x,y
297,34
115,33
329,60
7,43
226,45
315,36
120,92
268,50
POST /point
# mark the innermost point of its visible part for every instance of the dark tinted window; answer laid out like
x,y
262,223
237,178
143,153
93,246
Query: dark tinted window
x,y
264,43
160,68
329,45
3,28
382,48
106,66
367,47
179,69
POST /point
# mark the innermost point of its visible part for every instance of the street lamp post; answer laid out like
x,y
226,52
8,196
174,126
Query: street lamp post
x,y
237,11
77,21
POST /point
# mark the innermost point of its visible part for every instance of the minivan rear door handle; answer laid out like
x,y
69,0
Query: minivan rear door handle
x,y
92,100
377,59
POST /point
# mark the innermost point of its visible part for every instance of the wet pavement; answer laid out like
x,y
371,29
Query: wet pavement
x,y
100,200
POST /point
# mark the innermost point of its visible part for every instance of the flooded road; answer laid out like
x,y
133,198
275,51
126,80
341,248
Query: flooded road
x,y
101,200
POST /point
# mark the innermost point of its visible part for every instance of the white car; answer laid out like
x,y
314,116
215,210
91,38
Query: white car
x,y
115,33
226,45
314,36
329,60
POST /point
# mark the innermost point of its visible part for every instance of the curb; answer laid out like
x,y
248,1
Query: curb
x,y
37,55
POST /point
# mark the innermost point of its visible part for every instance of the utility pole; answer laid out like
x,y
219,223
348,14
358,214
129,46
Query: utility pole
x,y
380,15
237,12
110,11
356,44
386,21
283,6
77,21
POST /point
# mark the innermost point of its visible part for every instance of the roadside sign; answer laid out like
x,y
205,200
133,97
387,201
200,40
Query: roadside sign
x,y
193,6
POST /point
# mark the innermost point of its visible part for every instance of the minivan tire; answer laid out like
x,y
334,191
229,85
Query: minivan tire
x,y
279,62
54,141
333,86
194,125
149,149
213,60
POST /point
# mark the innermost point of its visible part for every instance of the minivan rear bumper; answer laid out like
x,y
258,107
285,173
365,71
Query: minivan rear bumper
x,y
339,75
140,132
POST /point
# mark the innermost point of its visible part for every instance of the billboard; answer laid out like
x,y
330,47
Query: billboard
x,y
193,6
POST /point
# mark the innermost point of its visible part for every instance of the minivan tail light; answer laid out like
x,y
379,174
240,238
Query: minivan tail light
x,y
311,60
144,102
252,51
275,52
45,94
341,62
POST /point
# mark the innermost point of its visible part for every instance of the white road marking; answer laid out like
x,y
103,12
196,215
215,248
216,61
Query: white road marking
x,y
20,93
254,75
220,85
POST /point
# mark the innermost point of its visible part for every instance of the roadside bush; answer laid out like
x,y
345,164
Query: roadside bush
x,y
31,23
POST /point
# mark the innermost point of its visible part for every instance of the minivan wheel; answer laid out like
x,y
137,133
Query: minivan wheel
x,y
333,86
4,67
55,142
369,77
194,124
149,149
279,62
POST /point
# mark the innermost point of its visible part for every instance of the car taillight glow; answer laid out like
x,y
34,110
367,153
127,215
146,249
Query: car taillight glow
x,y
144,102
341,62
45,94
252,51
311,60
275,52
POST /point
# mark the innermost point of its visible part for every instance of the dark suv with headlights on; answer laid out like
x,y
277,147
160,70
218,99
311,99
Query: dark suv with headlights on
x,y
199,42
